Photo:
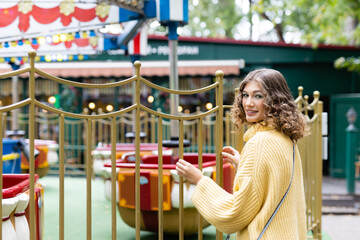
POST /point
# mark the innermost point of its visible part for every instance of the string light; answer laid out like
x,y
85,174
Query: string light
x,y
109,108
51,99
48,58
41,40
92,105
59,58
56,39
63,37
49,39
150,99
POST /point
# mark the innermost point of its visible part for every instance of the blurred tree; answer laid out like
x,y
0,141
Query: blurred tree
x,y
300,21
313,21
213,18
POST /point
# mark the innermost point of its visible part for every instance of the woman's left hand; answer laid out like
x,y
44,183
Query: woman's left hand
x,y
188,171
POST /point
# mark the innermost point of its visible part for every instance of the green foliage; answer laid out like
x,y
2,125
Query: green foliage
x,y
327,21
211,18
350,63
315,21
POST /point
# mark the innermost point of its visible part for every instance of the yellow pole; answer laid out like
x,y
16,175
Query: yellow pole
x,y
200,163
219,135
32,222
160,180
113,178
181,182
137,65
61,177
88,177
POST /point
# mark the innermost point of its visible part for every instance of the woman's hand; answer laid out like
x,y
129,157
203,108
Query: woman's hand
x,y
231,155
188,171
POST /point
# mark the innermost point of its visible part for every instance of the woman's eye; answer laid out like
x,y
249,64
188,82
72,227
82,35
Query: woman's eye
x,y
259,96
245,95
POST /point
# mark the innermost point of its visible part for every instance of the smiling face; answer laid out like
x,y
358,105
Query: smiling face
x,y
253,98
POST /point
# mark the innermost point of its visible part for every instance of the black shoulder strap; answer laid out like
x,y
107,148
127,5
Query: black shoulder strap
x,y
278,206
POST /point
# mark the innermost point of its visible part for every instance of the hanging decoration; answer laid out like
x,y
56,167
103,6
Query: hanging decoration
x,y
66,11
68,39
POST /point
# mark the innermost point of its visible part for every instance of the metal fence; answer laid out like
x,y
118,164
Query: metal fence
x,y
310,148
208,131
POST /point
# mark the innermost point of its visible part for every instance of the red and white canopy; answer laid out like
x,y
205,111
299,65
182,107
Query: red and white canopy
x,y
32,18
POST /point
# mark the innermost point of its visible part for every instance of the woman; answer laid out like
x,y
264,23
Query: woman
x,y
264,168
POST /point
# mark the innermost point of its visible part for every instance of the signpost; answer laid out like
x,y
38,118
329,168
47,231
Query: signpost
x,y
173,13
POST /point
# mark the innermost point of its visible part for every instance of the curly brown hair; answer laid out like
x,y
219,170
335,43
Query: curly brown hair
x,y
281,110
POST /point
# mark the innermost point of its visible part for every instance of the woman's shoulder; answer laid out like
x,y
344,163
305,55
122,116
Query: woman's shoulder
x,y
269,139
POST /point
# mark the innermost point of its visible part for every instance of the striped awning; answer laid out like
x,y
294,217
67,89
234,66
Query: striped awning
x,y
125,69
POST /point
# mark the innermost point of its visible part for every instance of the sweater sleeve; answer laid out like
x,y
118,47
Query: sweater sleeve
x,y
227,212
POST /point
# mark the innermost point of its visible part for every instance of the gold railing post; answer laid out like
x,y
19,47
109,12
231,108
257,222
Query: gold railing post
x,y
160,180
88,177
200,162
113,178
227,128
181,182
101,129
61,176
153,126
32,220
137,65
219,135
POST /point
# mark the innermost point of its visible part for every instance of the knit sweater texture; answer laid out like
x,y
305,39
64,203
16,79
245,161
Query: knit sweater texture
x,y
262,178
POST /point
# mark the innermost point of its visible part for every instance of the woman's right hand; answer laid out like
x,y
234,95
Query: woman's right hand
x,y
231,155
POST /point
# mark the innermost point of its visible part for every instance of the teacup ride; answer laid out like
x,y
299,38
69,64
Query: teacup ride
x,y
11,156
125,152
15,207
45,152
149,192
46,156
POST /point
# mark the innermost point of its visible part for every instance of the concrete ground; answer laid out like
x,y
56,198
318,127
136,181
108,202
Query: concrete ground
x,y
334,226
340,226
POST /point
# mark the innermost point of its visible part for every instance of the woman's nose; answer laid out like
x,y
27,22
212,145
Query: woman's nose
x,y
249,102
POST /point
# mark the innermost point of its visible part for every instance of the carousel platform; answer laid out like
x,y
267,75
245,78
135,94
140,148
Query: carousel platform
x,y
75,213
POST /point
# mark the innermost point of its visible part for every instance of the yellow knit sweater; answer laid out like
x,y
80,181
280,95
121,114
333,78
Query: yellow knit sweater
x,y
262,178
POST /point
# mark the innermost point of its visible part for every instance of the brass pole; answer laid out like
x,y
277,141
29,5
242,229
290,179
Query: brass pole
x,y
181,182
219,135
227,128
160,181
113,178
319,173
200,163
61,177
32,220
15,99
88,177
137,65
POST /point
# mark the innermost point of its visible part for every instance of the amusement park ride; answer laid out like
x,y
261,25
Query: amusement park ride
x,y
70,30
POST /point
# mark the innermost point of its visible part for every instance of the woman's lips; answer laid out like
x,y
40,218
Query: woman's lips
x,y
250,112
